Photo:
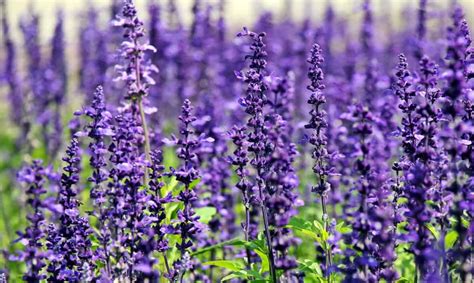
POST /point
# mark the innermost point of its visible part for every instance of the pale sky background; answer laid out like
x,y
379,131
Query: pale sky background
x,y
239,12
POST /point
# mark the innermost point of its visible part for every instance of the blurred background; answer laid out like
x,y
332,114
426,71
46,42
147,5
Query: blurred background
x,y
238,12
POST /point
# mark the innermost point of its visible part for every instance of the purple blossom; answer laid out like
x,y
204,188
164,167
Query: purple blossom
x,y
98,129
34,255
69,242
187,225
136,72
258,144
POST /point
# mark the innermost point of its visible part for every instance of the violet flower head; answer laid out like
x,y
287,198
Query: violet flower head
x,y
318,122
58,62
69,242
34,256
98,129
56,84
93,54
136,72
254,102
30,30
404,89
187,225
156,207
418,214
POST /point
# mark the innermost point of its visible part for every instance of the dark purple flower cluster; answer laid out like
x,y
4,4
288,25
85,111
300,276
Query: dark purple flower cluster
x,y
69,241
34,177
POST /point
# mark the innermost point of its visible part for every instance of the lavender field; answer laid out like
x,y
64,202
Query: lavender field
x,y
160,142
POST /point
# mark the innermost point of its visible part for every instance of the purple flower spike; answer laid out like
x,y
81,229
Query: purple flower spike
x,y
34,255
69,242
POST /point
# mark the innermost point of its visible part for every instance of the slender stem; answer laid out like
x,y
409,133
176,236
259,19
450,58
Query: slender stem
x,y
326,226
147,137
416,273
167,265
142,114
269,244
211,269
246,231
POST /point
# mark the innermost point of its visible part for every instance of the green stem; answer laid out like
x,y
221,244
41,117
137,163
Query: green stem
x,y
147,137
326,226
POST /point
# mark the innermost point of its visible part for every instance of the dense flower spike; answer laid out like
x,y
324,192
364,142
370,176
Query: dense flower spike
x,y
254,102
69,242
322,167
403,88
187,224
137,72
34,255
98,129
421,29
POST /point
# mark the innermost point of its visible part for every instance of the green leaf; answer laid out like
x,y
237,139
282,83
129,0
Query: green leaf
x,y
465,222
234,265
245,274
233,242
170,186
171,210
303,226
310,266
342,228
450,239
432,229
194,183
264,258
205,213
300,223
232,276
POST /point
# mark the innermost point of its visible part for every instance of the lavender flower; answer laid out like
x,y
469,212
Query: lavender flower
x,y
156,240
187,225
367,30
34,256
404,90
318,124
254,102
136,72
240,159
98,130
69,243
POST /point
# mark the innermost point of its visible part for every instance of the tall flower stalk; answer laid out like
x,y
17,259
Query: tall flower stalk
x,y
240,159
137,72
254,102
187,225
322,167
35,257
